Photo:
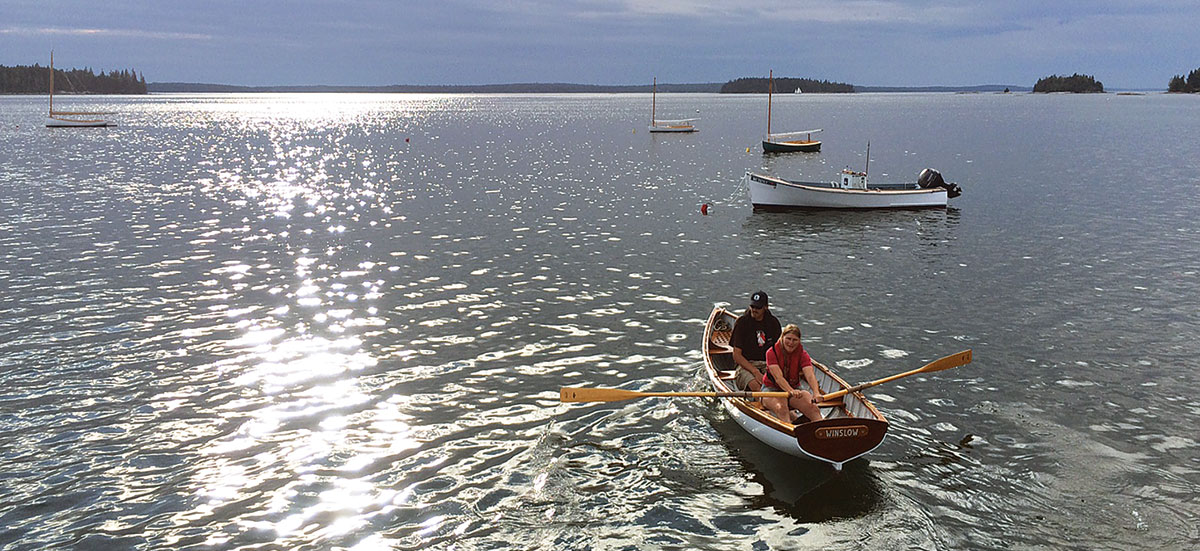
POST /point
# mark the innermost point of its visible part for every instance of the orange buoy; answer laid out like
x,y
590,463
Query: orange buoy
x,y
704,209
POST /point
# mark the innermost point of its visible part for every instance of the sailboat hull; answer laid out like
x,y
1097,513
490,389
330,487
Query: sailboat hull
x,y
801,146
52,122
673,129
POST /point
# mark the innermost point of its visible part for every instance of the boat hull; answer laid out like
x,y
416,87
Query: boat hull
x,y
848,432
673,129
769,193
806,146
52,122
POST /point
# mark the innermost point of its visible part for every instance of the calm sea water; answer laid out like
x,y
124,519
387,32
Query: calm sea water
x,y
341,322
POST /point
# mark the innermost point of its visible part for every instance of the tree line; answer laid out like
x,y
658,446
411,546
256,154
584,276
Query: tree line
x,y
1190,85
24,79
1077,83
784,86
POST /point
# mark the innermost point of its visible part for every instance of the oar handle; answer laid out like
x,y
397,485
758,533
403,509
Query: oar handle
x,y
749,395
835,395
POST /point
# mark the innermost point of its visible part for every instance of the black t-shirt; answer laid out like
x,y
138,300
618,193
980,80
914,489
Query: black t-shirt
x,y
755,337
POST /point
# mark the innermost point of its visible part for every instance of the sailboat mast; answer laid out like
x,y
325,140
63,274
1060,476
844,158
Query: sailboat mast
x,y
770,88
653,98
868,168
51,82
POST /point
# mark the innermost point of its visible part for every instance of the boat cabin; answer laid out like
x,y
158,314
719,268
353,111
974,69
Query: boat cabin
x,y
853,180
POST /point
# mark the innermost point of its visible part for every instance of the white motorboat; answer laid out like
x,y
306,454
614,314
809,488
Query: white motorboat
x,y
851,191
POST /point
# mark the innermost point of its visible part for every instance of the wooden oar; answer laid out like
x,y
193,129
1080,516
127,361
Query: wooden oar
x,y
941,364
575,394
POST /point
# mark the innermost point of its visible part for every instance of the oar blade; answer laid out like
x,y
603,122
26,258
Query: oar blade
x,y
578,394
948,362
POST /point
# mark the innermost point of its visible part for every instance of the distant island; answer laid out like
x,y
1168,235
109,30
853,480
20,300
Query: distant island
x,y
35,79
1076,83
785,86
1190,85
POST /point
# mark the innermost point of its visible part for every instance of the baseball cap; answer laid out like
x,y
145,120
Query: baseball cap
x,y
758,299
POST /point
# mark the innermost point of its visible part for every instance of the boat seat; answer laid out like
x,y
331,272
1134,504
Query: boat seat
x,y
719,342
726,375
721,337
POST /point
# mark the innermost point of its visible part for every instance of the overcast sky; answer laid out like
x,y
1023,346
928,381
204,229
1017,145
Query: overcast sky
x,y
1123,43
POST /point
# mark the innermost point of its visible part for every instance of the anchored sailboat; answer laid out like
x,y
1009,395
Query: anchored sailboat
x,y
63,119
656,125
786,141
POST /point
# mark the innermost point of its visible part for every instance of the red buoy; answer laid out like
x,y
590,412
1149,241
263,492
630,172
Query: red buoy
x,y
704,209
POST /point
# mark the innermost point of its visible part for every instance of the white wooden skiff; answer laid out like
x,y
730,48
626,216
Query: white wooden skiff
x,y
848,431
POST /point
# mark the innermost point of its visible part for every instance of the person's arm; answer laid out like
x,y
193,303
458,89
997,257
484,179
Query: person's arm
x,y
777,373
736,340
780,380
741,360
810,376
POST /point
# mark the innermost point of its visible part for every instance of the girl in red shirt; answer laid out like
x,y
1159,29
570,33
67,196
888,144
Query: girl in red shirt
x,y
786,363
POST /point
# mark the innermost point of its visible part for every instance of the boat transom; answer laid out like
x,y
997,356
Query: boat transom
x,y
852,431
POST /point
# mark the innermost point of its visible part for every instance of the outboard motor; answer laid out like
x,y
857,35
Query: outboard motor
x,y
930,178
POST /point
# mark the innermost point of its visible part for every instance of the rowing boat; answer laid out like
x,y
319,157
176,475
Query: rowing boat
x,y
851,428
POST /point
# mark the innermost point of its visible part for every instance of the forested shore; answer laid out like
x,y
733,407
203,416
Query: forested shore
x,y
1076,83
35,79
784,85
1189,85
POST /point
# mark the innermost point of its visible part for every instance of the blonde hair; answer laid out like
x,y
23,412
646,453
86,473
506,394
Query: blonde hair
x,y
790,328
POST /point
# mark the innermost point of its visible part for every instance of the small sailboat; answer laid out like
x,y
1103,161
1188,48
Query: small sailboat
x,y
786,142
71,119
657,125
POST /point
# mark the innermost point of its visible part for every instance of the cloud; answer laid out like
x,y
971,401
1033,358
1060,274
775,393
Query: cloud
x,y
607,41
796,11
115,33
